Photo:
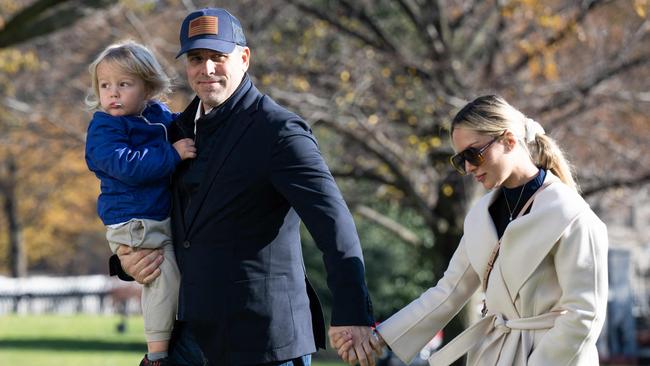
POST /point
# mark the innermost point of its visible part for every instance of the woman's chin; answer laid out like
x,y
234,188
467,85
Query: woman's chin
x,y
489,185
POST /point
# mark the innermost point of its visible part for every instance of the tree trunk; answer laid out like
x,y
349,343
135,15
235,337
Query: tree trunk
x,y
17,258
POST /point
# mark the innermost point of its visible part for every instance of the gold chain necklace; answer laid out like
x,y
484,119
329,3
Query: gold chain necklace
x,y
511,212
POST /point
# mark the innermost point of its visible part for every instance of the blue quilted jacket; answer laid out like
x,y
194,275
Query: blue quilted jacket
x,y
133,159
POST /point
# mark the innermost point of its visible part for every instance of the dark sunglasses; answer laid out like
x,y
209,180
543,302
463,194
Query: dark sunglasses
x,y
471,155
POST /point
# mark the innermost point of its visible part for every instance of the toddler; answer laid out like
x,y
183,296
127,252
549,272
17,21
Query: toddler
x,y
128,150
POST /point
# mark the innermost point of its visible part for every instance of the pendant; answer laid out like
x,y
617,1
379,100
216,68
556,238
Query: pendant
x,y
510,217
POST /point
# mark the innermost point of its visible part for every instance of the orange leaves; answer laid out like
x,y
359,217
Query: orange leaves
x,y
641,8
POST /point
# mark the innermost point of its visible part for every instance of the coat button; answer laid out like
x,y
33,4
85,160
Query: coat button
x,y
186,244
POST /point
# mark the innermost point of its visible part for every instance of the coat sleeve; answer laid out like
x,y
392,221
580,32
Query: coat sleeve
x,y
411,328
300,174
581,264
108,149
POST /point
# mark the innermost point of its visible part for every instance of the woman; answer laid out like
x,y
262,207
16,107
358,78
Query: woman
x,y
546,290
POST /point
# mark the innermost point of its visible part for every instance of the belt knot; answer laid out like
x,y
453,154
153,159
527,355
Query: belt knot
x,y
501,324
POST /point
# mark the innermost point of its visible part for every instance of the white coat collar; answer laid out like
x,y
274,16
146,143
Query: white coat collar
x,y
528,239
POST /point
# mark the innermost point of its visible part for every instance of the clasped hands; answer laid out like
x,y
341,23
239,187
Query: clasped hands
x,y
356,344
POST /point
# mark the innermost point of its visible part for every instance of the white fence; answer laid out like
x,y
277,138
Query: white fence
x,y
97,294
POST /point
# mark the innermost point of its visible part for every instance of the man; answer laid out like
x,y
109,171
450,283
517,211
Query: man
x,y
244,295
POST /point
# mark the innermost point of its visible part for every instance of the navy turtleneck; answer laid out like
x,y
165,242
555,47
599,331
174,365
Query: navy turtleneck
x,y
500,210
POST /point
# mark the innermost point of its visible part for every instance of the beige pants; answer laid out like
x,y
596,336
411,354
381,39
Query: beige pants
x,y
160,297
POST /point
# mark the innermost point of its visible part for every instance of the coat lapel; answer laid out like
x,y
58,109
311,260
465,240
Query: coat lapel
x,y
527,240
480,234
233,134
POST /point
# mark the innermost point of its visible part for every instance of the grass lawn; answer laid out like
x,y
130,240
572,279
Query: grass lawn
x,y
78,340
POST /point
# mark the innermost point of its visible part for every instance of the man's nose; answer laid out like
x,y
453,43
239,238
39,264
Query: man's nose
x,y
208,67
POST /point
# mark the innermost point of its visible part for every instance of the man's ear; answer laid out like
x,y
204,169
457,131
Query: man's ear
x,y
245,57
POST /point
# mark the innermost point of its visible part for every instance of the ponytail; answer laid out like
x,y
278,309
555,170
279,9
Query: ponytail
x,y
548,155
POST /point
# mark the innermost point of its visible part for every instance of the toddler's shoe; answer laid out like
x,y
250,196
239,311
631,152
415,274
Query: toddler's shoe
x,y
162,362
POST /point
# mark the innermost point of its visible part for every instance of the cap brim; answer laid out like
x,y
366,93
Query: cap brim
x,y
208,44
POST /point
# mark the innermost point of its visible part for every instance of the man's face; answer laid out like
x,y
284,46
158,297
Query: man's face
x,y
214,76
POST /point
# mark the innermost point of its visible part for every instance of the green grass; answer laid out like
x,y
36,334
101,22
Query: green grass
x,y
69,340
79,340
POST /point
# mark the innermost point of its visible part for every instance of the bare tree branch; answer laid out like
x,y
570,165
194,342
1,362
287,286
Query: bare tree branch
x,y
586,8
44,17
444,74
402,179
602,186
148,39
467,13
482,39
315,11
387,223
362,16
26,110
580,90
367,175
419,24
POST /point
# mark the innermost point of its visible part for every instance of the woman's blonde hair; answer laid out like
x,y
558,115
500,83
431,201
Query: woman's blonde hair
x,y
491,115
135,59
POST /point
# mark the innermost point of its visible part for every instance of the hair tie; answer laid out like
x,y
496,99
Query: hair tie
x,y
532,129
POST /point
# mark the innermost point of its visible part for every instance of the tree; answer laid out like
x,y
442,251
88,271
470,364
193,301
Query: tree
x,y
24,154
386,78
379,81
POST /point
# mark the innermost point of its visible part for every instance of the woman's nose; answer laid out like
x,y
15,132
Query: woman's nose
x,y
469,168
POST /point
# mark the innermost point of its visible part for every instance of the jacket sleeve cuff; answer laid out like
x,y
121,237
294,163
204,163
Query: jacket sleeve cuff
x,y
348,312
115,269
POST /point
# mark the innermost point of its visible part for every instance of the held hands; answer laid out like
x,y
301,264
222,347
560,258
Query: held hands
x,y
185,148
142,264
356,344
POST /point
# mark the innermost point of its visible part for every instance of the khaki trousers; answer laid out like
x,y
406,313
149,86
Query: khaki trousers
x,y
160,297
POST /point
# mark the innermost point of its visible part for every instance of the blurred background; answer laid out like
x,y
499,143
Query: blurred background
x,y
379,81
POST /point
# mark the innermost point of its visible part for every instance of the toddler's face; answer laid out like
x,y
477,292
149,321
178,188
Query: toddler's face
x,y
120,93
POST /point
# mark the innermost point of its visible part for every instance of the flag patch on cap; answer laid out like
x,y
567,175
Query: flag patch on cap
x,y
203,25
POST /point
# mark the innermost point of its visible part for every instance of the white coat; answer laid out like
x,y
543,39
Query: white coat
x,y
546,296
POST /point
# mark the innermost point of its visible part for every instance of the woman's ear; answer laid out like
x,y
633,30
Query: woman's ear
x,y
509,140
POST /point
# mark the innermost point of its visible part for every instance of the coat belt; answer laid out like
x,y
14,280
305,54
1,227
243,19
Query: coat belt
x,y
465,341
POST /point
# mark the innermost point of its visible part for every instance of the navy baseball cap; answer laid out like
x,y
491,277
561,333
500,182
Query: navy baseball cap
x,y
213,29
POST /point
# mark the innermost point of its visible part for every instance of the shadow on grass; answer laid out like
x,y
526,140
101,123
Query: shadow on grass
x,y
67,344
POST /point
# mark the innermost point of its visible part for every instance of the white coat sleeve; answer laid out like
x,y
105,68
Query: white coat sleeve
x,y
581,265
410,329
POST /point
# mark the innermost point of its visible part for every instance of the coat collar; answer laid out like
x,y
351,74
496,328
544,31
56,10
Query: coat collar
x,y
240,114
528,239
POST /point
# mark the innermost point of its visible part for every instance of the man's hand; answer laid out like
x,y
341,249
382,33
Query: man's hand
x,y
141,264
355,344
